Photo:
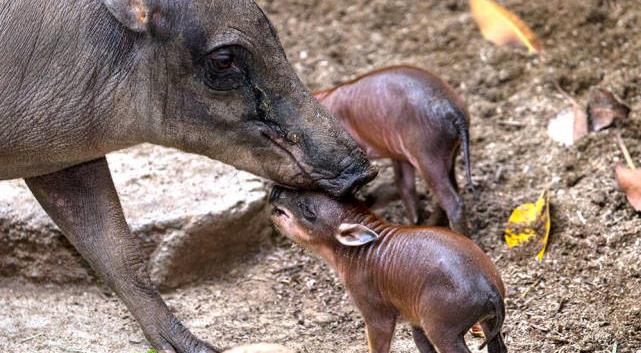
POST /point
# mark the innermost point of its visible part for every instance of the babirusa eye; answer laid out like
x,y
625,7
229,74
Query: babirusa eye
x,y
221,60
224,69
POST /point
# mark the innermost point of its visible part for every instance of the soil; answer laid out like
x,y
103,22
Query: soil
x,y
584,296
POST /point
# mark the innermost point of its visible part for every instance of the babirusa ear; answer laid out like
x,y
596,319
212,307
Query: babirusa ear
x,y
351,234
134,14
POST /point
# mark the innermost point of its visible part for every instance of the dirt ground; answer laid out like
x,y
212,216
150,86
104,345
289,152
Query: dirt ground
x,y
584,296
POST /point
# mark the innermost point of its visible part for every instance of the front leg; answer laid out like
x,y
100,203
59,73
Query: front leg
x,y
380,329
83,202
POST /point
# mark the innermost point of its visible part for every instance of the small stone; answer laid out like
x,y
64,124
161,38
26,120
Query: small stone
x,y
599,198
135,340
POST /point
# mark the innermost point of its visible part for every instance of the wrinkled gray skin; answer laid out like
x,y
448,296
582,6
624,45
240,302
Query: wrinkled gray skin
x,y
83,78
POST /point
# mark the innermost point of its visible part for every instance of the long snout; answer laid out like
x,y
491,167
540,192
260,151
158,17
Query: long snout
x,y
343,168
325,156
350,180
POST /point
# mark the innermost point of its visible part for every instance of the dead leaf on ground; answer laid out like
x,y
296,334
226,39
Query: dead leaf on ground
x,y
604,109
629,181
570,124
502,27
529,226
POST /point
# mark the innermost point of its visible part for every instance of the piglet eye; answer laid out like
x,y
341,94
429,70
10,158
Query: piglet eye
x,y
307,212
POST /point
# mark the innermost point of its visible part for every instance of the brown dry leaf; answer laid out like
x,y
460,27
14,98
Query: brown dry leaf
x,y
629,181
569,125
604,109
502,27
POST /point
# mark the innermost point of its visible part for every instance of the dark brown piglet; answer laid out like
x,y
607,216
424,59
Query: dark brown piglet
x,y
438,280
416,119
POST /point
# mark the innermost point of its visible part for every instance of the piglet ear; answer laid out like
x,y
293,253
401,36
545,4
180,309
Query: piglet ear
x,y
134,14
351,234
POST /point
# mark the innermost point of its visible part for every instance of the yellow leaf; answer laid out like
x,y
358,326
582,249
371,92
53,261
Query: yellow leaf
x,y
530,224
501,27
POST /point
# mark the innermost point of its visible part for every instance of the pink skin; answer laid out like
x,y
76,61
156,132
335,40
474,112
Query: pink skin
x,y
413,117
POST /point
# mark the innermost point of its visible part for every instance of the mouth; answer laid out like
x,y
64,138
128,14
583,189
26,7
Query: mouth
x,y
347,181
278,212
349,184
278,142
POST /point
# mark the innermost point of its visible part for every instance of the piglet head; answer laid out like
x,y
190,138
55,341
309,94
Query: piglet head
x,y
314,219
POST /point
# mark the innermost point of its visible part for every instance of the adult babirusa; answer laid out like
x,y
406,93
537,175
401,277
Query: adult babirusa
x,y
83,78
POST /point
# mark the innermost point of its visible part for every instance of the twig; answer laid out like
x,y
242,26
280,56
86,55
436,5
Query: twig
x,y
511,123
561,305
625,151
566,95
527,291
498,174
540,328
31,337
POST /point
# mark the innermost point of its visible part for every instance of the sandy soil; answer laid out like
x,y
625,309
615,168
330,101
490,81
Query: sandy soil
x,y
583,298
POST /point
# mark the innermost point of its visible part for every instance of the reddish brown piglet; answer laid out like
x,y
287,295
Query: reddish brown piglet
x,y
438,280
416,119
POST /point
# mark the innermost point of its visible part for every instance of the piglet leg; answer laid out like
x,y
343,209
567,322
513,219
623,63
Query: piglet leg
x,y
379,335
446,343
406,184
496,344
436,173
380,324
424,345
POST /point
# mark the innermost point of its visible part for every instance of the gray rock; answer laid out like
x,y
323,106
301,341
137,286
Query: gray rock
x,y
194,218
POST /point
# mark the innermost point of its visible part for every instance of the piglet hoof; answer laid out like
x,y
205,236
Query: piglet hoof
x,y
260,348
